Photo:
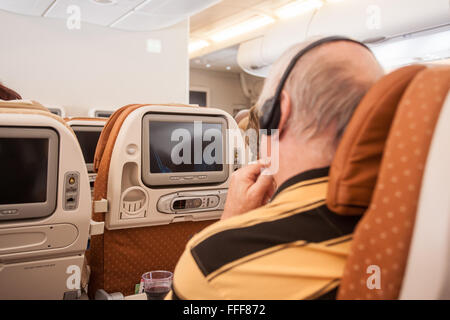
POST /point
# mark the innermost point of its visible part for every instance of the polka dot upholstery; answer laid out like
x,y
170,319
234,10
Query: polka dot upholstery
x,y
382,238
118,258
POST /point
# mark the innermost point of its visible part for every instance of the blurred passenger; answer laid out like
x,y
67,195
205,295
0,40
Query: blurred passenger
x,y
250,129
8,94
241,115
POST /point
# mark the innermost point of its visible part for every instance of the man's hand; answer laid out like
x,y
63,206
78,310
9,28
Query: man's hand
x,y
249,189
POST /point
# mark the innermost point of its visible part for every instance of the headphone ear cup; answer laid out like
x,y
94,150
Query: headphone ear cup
x,y
275,119
271,116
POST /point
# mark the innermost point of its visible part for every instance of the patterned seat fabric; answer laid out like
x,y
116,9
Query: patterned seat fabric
x,y
382,238
118,258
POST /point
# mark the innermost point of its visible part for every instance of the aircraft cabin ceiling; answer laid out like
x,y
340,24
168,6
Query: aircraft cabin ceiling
x,y
230,22
130,15
223,16
395,30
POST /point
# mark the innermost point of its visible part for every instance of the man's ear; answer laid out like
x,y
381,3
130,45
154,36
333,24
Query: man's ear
x,y
285,108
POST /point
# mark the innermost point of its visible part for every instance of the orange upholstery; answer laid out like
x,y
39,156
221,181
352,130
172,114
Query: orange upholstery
x,y
86,119
357,160
382,238
106,133
119,257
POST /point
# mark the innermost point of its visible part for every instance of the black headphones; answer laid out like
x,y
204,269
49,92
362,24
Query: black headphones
x,y
270,111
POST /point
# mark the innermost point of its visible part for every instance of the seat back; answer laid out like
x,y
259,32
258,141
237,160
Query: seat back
x,y
381,243
149,238
45,204
427,274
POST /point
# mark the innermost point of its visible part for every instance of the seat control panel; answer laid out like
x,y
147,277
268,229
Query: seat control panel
x,y
71,190
193,201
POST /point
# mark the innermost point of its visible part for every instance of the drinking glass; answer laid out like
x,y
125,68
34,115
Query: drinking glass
x,y
157,284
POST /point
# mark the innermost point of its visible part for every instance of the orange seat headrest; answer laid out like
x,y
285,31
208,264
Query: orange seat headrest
x,y
354,170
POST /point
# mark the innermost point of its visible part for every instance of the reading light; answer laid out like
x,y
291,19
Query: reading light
x,y
197,45
242,28
298,7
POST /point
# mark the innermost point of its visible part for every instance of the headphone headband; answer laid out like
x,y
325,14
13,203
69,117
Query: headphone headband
x,y
270,110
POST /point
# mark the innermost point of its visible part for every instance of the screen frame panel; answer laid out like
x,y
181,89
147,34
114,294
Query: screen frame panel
x,y
90,166
164,179
37,209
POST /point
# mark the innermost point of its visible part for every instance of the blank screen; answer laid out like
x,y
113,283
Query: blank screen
x,y
103,114
161,147
198,97
24,165
88,142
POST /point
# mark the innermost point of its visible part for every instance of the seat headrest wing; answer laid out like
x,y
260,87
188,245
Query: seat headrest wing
x,y
357,160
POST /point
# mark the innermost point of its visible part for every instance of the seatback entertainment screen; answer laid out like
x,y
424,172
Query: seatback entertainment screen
x,y
164,157
88,142
183,149
88,138
23,162
28,171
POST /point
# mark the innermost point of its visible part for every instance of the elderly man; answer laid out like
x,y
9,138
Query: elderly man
x,y
292,247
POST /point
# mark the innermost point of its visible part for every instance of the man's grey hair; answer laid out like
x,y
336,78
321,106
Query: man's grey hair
x,y
323,91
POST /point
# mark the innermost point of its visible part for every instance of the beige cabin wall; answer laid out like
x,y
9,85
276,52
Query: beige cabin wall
x,y
94,67
224,88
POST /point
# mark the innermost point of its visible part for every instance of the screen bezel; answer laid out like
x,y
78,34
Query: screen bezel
x,y
36,209
164,179
90,166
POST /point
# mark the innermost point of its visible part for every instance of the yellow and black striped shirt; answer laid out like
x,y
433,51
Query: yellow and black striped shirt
x,y
291,248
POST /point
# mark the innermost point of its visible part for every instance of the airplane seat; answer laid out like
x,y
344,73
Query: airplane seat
x,y
381,242
357,160
427,273
142,233
44,204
